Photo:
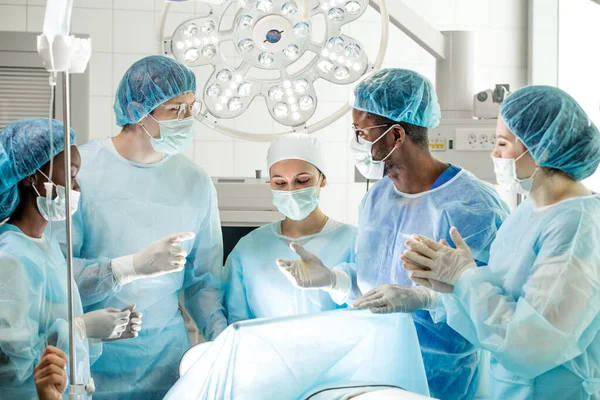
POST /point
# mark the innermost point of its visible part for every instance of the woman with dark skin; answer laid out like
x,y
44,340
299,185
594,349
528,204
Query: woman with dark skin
x,y
33,271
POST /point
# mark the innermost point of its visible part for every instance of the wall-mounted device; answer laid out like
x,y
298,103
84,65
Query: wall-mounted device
x,y
486,104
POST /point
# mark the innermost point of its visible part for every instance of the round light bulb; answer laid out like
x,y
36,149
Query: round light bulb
x,y
190,30
325,66
336,43
353,51
291,51
267,59
281,110
296,116
219,107
246,45
276,93
179,45
306,103
336,15
301,86
224,75
191,54
301,29
289,8
264,6
209,51
244,89
214,90
235,104
341,73
292,100
246,21
352,7
208,26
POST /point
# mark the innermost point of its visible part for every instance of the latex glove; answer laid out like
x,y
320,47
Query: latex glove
x,y
389,298
133,327
159,258
50,374
437,261
432,284
108,323
308,272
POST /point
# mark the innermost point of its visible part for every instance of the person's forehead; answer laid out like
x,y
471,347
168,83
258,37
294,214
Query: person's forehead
x,y
292,167
182,98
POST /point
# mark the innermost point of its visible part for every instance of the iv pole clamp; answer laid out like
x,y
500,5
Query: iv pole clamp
x,y
64,53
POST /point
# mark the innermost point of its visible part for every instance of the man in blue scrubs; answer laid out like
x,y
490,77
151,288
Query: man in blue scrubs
x,y
392,112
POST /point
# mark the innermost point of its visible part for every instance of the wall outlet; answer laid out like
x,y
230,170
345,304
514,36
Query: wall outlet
x,y
475,139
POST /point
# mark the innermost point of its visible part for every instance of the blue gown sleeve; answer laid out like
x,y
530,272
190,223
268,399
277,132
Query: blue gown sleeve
x,y
94,277
238,308
21,345
555,317
26,324
203,279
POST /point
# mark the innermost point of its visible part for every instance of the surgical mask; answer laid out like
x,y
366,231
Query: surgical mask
x,y
296,204
363,158
176,136
506,175
54,210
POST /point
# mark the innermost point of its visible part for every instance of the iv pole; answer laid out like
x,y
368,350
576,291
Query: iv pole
x,y
66,54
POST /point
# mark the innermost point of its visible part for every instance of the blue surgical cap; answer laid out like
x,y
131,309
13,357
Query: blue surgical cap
x,y
554,128
148,83
25,148
401,95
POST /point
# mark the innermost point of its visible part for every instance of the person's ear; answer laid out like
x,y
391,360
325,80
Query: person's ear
x,y
323,181
399,135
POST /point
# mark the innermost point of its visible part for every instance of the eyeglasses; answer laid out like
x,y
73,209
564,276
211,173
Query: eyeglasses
x,y
359,132
184,110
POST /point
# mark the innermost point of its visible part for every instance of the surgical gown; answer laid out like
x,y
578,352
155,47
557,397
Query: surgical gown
x,y
536,306
257,289
387,219
124,207
33,311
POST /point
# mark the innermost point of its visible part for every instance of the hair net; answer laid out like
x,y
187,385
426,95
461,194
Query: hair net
x,y
24,148
401,95
297,146
554,128
149,82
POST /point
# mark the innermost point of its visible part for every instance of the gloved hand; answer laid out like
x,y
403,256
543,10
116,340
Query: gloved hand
x,y
389,298
437,261
432,284
308,272
159,258
133,327
108,323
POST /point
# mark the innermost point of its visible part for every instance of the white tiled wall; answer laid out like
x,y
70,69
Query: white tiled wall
x,y
124,31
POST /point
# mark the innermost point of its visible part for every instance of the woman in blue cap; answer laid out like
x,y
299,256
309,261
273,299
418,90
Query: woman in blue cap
x,y
256,288
33,271
148,229
536,305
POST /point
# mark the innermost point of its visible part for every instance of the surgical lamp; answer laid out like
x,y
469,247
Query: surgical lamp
x,y
276,36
